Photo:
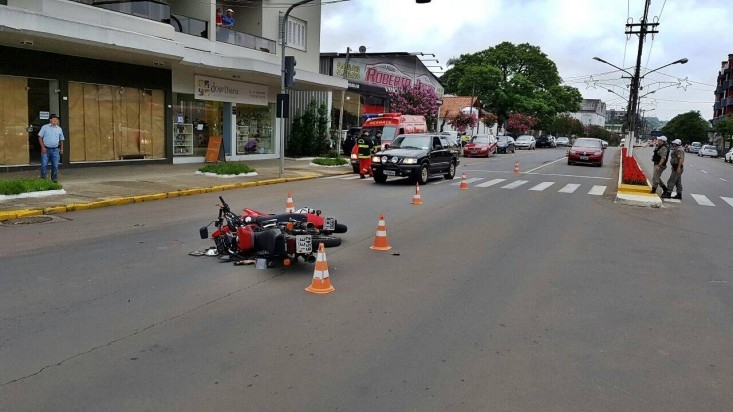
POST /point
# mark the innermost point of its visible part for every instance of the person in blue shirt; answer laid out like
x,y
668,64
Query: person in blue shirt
x,y
227,20
51,139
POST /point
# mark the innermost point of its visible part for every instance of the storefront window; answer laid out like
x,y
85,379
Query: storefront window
x,y
254,129
115,123
14,148
194,121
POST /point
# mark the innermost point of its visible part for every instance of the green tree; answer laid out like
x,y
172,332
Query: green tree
x,y
566,125
688,127
309,132
510,78
600,133
724,127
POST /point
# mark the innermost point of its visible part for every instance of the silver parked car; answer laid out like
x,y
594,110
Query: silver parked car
x,y
562,141
729,156
525,141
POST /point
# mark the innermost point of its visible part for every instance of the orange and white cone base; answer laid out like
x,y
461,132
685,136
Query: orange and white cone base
x,y
321,283
464,182
516,167
380,240
416,200
289,205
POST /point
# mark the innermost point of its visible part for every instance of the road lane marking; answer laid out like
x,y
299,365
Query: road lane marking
x,y
728,200
703,171
547,164
490,182
542,186
515,184
702,200
569,188
720,178
597,190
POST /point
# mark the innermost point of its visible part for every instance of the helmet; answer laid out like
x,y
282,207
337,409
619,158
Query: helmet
x,y
662,138
677,141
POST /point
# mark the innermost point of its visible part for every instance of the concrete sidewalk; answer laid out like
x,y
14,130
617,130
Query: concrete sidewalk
x,y
92,187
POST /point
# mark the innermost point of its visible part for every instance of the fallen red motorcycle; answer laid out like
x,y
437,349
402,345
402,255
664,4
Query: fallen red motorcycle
x,y
326,224
271,238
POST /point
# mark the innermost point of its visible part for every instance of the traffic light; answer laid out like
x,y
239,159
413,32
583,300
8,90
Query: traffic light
x,y
289,70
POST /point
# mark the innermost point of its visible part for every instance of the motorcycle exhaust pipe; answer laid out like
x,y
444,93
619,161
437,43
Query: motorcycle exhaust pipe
x,y
310,259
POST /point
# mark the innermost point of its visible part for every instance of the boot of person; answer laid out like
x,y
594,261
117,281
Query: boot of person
x,y
666,195
664,187
678,196
654,190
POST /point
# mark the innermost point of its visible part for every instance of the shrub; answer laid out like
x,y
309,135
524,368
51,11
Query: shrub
x,y
226,168
330,161
26,185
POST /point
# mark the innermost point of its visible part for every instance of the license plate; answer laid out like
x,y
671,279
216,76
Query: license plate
x,y
389,172
303,244
583,157
473,152
329,223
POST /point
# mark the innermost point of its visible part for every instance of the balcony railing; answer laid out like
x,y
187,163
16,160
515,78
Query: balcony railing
x,y
247,40
147,9
189,25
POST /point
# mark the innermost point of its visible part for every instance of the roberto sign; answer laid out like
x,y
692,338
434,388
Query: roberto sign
x,y
222,90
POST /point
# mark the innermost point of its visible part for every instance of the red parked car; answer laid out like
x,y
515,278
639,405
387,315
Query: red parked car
x,y
586,150
480,145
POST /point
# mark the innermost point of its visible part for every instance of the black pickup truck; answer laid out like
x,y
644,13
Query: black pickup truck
x,y
417,157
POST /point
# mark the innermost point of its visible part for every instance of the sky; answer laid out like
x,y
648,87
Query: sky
x,y
569,32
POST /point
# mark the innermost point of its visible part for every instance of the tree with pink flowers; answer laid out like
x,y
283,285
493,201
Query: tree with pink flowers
x,y
520,123
463,121
416,100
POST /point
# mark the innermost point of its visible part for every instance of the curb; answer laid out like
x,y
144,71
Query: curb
x,y
635,195
119,201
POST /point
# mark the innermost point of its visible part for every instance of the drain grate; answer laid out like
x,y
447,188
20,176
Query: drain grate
x,y
31,220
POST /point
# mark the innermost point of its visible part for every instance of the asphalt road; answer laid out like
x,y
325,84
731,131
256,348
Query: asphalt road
x,y
543,295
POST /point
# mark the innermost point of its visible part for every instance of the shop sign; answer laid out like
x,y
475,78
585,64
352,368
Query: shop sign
x,y
389,75
223,90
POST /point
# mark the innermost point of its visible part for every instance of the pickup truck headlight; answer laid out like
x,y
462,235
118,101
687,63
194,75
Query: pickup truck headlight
x,y
354,157
410,161
376,159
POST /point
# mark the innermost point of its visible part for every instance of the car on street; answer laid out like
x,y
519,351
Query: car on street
x,y
694,147
525,141
708,150
729,156
505,144
417,156
586,150
546,140
480,145
562,141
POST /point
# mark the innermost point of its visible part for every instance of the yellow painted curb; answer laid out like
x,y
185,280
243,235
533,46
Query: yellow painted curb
x,y
54,209
634,188
189,192
29,212
8,215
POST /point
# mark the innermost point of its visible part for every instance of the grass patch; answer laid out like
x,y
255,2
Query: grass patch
x,y
26,185
330,161
226,168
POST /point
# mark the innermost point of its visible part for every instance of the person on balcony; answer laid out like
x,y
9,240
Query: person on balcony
x,y
227,20
218,17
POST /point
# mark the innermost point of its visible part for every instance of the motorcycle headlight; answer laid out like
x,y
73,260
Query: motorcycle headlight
x,y
410,161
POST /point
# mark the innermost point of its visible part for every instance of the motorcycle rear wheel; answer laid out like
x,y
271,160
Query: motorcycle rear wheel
x,y
328,241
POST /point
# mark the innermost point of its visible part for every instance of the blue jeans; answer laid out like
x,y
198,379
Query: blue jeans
x,y
54,157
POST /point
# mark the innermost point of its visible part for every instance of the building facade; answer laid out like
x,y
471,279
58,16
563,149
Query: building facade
x,y
151,81
592,112
724,90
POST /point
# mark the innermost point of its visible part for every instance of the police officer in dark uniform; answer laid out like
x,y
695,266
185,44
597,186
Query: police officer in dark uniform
x,y
659,158
365,145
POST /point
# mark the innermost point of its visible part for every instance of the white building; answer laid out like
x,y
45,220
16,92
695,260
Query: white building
x,y
152,80
592,112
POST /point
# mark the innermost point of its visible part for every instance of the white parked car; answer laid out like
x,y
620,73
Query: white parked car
x,y
708,150
729,156
525,141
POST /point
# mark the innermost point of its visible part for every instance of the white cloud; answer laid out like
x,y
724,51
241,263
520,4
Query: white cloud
x,y
570,32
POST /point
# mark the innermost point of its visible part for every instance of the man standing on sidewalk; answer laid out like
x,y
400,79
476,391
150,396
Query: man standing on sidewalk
x,y
51,139
660,163
677,160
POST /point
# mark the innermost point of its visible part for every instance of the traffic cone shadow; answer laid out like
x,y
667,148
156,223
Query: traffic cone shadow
x,y
464,182
380,240
417,200
289,205
321,283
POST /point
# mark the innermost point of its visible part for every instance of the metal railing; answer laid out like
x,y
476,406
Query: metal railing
x,y
189,25
247,40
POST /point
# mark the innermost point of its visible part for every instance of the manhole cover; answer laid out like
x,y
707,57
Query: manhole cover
x,y
28,220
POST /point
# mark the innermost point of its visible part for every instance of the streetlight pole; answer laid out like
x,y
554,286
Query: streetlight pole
x,y
343,94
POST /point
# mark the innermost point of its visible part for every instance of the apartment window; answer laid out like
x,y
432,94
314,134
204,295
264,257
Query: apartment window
x,y
295,33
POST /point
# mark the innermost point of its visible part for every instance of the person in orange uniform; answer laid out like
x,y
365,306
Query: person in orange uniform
x,y
365,145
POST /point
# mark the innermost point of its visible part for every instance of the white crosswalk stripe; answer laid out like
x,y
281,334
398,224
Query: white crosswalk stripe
x,y
469,180
542,186
702,200
515,184
597,190
569,188
490,182
728,200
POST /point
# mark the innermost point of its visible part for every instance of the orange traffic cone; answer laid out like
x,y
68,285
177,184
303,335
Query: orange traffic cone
x,y
516,167
416,200
321,283
380,240
464,182
289,205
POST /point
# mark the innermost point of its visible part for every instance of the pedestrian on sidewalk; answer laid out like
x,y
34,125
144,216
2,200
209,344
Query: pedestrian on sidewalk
x,y
661,153
677,160
51,139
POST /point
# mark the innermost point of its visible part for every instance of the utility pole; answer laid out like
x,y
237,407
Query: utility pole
x,y
642,31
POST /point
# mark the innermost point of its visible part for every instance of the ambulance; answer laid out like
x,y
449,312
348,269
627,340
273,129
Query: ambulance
x,y
391,125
